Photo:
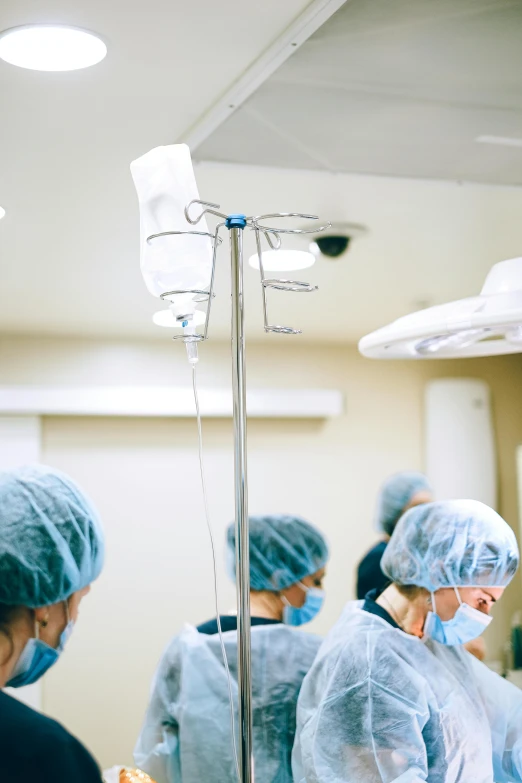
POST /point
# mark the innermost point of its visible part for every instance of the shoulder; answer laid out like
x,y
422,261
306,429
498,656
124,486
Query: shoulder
x,y
375,553
71,759
53,751
364,651
228,622
368,640
16,716
209,628
285,640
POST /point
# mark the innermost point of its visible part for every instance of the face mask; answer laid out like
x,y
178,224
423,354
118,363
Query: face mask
x,y
299,615
467,624
37,657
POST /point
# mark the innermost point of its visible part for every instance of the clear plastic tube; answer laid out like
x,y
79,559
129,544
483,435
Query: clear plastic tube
x,y
192,352
191,343
212,543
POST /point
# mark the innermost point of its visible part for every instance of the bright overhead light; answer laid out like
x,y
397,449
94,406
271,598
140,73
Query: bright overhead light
x,y
283,260
43,47
167,318
2,213
503,141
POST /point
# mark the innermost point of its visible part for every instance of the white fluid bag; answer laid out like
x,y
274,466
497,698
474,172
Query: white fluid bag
x,y
165,184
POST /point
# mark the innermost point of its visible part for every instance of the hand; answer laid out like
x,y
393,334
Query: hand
x,y
134,776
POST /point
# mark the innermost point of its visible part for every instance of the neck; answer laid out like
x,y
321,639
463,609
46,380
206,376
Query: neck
x,y
11,648
265,604
409,613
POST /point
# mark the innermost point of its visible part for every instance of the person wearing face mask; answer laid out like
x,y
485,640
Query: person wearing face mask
x,y
398,494
392,694
186,736
51,549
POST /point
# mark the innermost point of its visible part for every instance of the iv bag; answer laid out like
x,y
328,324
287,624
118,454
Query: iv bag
x,y
165,183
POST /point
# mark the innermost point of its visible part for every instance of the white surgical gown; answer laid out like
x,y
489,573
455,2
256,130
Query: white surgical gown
x,y
379,705
186,736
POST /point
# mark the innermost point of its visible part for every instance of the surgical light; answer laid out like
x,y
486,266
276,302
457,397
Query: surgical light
x,y
486,325
2,213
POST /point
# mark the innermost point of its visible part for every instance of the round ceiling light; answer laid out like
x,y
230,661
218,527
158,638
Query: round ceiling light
x,y
167,318
43,47
283,260
2,213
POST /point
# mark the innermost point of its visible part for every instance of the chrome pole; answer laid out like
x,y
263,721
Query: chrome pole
x,y
241,505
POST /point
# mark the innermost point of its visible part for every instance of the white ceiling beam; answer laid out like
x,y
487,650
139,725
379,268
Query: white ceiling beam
x,y
304,26
165,401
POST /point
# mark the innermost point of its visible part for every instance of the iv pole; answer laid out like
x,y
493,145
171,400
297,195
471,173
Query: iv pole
x,y
236,223
241,503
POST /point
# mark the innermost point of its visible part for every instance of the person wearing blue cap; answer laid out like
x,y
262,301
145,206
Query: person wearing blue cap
x,y
186,735
392,694
399,493
51,550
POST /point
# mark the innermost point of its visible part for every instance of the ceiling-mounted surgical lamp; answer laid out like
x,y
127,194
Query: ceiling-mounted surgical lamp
x,y
486,325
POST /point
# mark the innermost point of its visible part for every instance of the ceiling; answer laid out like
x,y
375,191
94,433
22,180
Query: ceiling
x,y
393,87
69,244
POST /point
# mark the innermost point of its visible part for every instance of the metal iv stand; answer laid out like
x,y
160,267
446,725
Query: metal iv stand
x,y
236,224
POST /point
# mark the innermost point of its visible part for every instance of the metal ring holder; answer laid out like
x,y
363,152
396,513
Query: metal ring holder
x,y
199,295
273,237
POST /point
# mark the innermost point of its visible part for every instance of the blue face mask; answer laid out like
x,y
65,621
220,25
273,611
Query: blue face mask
x,y
467,624
299,615
37,657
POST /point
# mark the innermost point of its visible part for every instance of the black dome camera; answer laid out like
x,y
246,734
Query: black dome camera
x,y
332,246
335,240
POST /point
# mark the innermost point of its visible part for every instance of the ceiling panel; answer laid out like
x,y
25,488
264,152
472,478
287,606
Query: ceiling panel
x,y
392,87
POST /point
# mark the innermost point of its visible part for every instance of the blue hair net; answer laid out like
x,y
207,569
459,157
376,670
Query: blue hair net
x,y
455,543
283,550
395,494
51,541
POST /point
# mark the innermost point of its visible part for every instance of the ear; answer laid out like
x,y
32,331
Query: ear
x,y
41,616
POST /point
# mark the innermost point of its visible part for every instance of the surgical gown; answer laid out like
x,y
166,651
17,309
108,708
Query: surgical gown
x,y
380,705
186,737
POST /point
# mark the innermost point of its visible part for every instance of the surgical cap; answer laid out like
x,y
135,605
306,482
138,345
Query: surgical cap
x,y
51,541
283,550
455,543
396,493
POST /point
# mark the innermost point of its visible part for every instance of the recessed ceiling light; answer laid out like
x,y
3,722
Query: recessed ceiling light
x,y
283,260
43,47
505,141
2,213
167,318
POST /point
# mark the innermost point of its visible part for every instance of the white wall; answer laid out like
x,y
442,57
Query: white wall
x,y
142,473
20,442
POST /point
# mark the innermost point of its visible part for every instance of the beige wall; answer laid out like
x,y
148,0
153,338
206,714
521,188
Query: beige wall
x,y
142,473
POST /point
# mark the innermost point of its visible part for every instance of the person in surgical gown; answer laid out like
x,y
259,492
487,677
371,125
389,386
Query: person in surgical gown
x,y
392,694
186,736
